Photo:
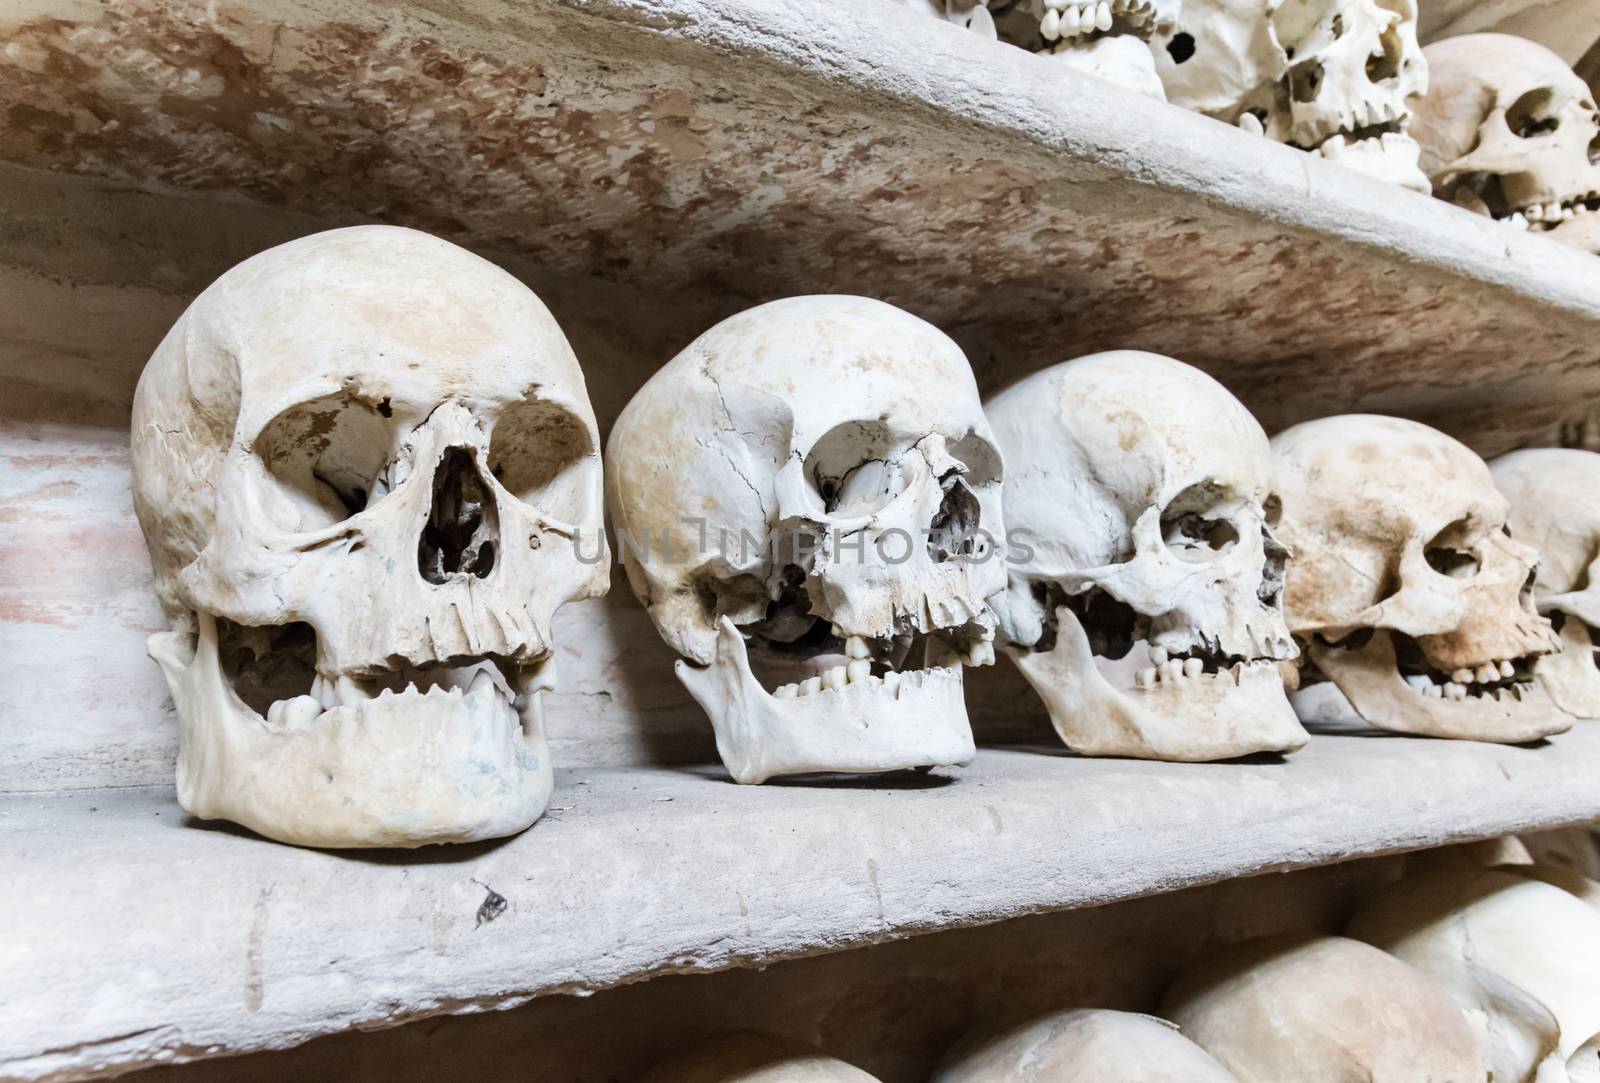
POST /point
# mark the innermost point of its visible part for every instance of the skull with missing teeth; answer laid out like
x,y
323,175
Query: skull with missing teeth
x,y
1329,76
829,473
1508,130
360,462
1406,589
1145,602
1555,506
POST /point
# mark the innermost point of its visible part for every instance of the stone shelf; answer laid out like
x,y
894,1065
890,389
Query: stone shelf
x,y
736,150
170,940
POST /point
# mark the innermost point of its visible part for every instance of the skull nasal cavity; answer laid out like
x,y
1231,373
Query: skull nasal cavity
x,y
463,527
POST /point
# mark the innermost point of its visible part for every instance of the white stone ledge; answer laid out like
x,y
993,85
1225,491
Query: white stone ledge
x,y
132,938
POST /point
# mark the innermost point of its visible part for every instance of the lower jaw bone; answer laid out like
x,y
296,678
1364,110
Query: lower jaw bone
x,y
1193,720
1370,679
1391,157
1123,59
405,769
864,727
1582,231
1570,677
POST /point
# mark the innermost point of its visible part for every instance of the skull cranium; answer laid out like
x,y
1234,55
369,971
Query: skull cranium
x,y
1329,76
1405,588
1555,506
360,462
1148,613
1508,130
832,459
1085,1046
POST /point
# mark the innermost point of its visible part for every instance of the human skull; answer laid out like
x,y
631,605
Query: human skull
x,y
1516,955
748,1057
829,471
361,461
1508,130
1555,507
1145,595
1323,1009
1328,76
1106,38
1086,1046
1405,589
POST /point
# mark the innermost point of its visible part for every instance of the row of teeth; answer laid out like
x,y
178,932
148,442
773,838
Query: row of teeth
x,y
1364,115
859,670
347,692
1165,669
1066,19
1486,679
1562,211
1336,145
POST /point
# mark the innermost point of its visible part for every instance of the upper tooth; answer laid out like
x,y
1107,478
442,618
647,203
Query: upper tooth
x,y
856,647
1507,670
1534,213
1050,25
1102,16
348,691
1158,655
1487,673
1462,676
1070,21
322,691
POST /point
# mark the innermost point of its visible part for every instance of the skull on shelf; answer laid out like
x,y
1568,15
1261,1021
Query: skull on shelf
x,y
749,1057
1555,507
1405,589
362,461
1516,955
835,494
1305,1009
1091,1046
1328,76
1106,38
1508,130
1145,595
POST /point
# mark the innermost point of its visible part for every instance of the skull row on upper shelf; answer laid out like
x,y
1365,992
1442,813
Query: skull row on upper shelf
x,y
368,473
1498,124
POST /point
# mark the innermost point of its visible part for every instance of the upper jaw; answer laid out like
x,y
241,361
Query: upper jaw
x,y
915,718
1509,710
1067,21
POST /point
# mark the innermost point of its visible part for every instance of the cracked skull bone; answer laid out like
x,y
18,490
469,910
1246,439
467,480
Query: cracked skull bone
x,y
1518,957
1507,129
1329,76
1554,495
834,492
1405,588
360,462
1148,614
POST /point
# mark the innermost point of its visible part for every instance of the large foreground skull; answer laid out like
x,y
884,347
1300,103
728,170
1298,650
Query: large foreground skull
x,y
825,475
361,461
1555,507
1328,76
1145,598
1518,956
1323,1009
1508,130
1405,589
1086,1046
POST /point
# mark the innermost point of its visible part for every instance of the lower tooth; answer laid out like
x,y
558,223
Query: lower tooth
x,y
810,685
1193,667
787,691
833,678
275,712
891,682
1419,683
301,711
858,670
1455,691
1433,691
1146,677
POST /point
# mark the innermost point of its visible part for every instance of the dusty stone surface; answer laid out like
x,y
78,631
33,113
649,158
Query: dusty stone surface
x,y
754,149
649,871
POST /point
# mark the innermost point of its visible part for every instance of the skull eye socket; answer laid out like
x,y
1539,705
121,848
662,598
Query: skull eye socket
x,y
853,468
1450,552
1594,151
1181,47
1532,114
537,452
1196,525
325,458
1385,64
